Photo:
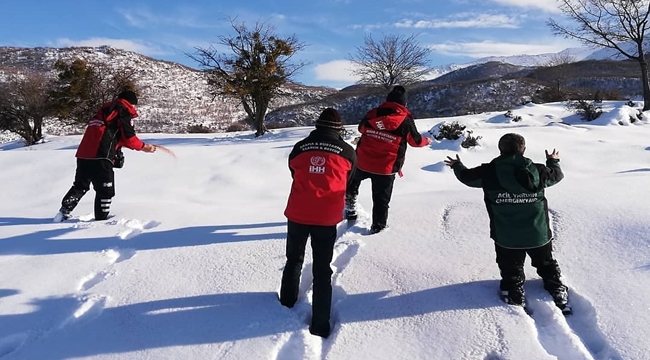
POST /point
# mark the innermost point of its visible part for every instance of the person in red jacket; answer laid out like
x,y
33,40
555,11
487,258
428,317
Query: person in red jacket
x,y
321,166
100,151
385,132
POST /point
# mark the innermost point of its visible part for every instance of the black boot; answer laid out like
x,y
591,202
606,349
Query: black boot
x,y
515,296
375,228
350,208
561,299
321,329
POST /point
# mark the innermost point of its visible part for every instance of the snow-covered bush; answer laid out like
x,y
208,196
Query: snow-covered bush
x,y
637,116
512,117
470,140
450,131
237,126
589,111
199,129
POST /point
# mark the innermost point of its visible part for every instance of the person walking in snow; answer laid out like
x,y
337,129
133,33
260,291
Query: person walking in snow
x,y
100,151
385,133
514,196
321,166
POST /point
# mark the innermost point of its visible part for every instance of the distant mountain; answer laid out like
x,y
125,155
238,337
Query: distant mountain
x,y
176,96
488,70
540,59
522,60
612,54
438,71
486,87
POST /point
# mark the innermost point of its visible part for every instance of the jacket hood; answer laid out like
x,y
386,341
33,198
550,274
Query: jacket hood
x,y
109,110
388,116
517,174
130,108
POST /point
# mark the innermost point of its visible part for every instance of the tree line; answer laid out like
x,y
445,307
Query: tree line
x,y
253,63
73,96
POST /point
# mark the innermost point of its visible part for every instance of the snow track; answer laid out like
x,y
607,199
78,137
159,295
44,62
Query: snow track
x,y
89,305
301,344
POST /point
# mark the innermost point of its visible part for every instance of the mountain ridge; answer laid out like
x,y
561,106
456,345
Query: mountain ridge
x,y
177,97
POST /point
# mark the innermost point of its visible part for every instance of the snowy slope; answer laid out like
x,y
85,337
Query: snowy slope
x,y
190,265
523,60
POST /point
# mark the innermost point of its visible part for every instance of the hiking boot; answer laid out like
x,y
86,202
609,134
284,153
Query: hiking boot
x,y
322,330
375,228
288,304
514,297
560,296
286,300
62,215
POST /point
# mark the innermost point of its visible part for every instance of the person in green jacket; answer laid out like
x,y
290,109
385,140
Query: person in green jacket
x,y
519,223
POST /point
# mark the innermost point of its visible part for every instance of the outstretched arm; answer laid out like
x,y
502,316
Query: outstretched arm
x,y
471,177
413,137
129,138
551,174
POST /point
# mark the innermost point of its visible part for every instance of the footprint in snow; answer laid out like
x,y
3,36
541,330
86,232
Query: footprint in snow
x,y
135,227
12,343
90,308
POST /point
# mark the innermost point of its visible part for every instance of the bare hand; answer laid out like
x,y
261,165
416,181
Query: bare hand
x,y
553,155
451,162
429,141
149,148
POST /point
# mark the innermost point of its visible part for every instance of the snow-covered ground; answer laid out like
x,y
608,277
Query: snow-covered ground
x,y
189,266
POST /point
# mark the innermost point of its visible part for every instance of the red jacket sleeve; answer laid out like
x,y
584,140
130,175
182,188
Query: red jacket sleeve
x,y
128,138
413,137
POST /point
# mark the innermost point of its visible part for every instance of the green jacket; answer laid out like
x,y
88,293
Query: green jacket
x,y
514,197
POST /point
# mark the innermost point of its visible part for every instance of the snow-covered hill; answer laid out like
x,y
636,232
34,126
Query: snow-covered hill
x,y
173,96
525,60
190,265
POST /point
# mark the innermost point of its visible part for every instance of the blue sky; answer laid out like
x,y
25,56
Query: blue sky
x,y
458,31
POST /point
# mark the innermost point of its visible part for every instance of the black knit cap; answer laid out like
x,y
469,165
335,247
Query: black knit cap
x,y
398,95
129,96
330,118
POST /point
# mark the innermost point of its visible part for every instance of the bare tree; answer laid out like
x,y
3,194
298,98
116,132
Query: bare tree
x,y
24,104
609,24
559,71
561,58
253,69
392,60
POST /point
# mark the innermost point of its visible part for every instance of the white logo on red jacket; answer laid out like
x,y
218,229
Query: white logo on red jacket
x,y
95,122
317,165
317,160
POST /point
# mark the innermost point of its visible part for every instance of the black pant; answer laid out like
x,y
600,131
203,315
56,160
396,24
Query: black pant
x,y
382,190
99,173
511,264
322,244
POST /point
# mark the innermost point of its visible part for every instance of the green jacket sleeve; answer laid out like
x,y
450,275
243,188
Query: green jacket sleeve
x,y
470,177
550,174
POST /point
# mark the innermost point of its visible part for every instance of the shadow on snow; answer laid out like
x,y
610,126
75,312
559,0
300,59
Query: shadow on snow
x,y
221,318
45,242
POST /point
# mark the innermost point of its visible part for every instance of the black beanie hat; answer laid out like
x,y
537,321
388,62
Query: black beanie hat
x,y
398,95
129,96
330,118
